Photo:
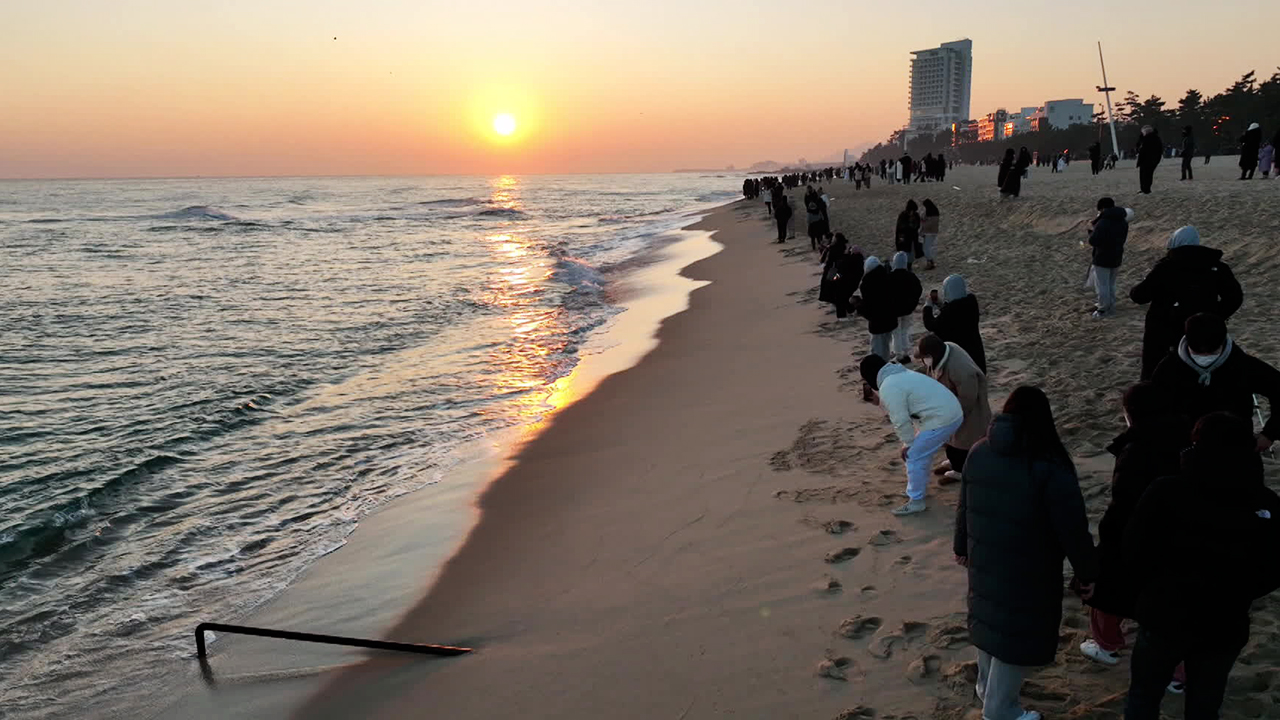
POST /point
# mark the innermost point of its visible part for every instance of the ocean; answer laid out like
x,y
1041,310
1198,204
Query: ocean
x,y
206,383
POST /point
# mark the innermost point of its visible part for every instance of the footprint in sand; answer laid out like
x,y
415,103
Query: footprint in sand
x,y
858,627
835,667
829,585
837,527
839,556
923,668
886,640
904,561
950,637
861,712
885,537
869,592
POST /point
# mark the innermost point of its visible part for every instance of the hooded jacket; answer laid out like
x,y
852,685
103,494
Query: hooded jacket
x,y
957,320
907,231
1150,151
1202,546
877,304
961,375
1110,231
1144,453
1231,387
905,286
1018,517
912,399
1250,143
1189,280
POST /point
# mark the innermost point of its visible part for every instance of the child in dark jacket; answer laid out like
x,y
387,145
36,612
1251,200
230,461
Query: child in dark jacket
x,y
1107,236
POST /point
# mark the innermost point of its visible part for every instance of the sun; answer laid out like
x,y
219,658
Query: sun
x,y
504,123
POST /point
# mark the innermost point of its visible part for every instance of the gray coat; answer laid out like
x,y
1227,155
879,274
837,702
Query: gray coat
x,y
1018,518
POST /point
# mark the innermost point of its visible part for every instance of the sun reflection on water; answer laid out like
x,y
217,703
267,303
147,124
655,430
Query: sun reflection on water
x,y
539,348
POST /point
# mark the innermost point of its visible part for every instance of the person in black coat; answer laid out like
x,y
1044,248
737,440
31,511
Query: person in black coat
x,y
906,234
954,318
1006,167
1200,548
877,306
908,166
841,274
1190,279
1095,157
1150,152
1148,450
1020,513
1250,144
1210,373
907,291
1107,236
1188,152
782,214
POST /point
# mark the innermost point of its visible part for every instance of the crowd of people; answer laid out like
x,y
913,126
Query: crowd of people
x,y
1191,536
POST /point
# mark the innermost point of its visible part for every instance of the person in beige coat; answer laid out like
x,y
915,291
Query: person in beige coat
x,y
950,365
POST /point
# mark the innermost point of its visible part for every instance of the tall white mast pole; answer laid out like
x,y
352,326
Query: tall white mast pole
x,y
1107,90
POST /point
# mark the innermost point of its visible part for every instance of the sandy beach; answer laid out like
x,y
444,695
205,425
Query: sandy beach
x,y
707,534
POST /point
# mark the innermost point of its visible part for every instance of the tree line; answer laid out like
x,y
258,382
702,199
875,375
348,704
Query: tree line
x,y
1218,122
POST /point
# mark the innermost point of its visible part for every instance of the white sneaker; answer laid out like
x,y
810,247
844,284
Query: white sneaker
x,y
982,693
1093,650
912,507
1177,688
1029,715
951,476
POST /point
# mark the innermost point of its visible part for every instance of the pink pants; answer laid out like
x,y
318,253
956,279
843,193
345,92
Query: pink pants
x,y
1109,635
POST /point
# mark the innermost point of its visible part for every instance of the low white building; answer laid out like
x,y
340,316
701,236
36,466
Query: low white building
x,y
1065,113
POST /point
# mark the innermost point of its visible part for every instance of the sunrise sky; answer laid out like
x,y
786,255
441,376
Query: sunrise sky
x,y
261,87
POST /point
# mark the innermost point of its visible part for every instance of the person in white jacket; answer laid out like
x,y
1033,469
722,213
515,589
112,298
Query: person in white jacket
x,y
924,413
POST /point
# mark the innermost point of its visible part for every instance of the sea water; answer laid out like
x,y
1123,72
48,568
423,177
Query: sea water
x,y
206,383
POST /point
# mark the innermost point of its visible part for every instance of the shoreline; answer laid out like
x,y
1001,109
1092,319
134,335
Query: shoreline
x,y
264,678
617,555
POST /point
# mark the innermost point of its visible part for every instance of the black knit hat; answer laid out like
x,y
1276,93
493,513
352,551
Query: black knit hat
x,y
870,369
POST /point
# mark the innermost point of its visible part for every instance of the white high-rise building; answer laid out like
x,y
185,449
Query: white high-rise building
x,y
940,81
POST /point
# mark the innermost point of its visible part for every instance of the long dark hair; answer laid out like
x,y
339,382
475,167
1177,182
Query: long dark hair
x,y
1039,432
930,210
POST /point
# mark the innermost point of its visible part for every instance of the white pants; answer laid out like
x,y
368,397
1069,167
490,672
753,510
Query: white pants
x,y
929,240
902,337
999,685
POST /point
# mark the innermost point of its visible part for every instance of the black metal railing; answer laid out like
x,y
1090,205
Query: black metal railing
x,y
418,648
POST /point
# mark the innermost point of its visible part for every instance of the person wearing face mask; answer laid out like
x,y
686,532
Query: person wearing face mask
x,y
924,414
950,365
1189,279
1210,373
1200,548
1147,450
954,318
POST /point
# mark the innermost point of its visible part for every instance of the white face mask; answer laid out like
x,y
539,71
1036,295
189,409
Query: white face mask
x,y
928,361
1204,361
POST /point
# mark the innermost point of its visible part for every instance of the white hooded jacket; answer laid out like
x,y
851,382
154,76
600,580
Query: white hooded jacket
x,y
913,401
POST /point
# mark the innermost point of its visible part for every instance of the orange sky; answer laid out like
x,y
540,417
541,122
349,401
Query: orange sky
x,y
236,87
